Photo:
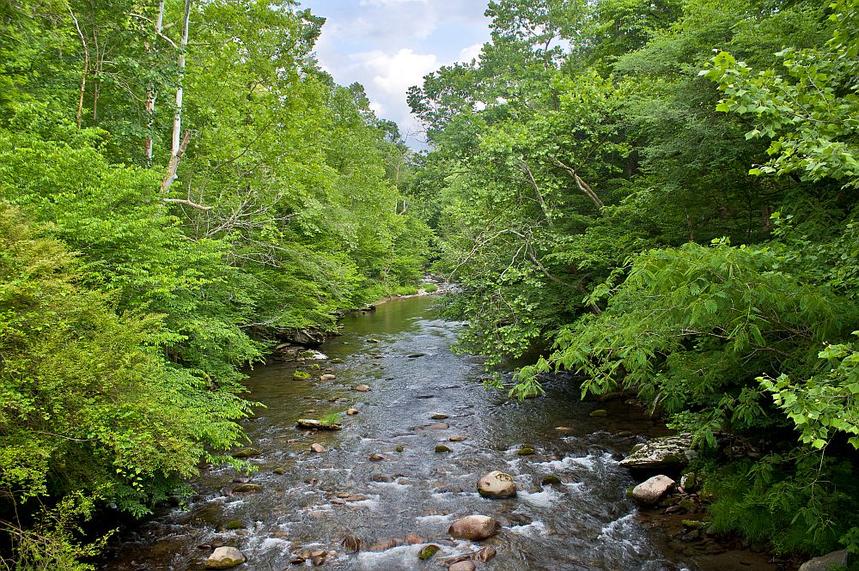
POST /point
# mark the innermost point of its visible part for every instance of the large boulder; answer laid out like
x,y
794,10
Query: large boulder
x,y
225,558
496,484
651,491
667,453
834,560
474,527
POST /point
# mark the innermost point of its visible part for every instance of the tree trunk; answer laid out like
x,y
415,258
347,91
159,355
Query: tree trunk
x,y
84,72
150,91
177,147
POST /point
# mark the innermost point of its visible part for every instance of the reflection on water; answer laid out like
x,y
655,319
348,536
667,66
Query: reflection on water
x,y
312,501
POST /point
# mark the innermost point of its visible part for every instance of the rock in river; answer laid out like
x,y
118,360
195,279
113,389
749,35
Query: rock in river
x,y
651,491
428,551
318,448
362,388
670,452
474,527
313,424
496,485
327,377
225,558
247,488
438,416
462,566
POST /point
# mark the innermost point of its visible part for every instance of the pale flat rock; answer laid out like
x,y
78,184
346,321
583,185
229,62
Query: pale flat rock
x,y
496,484
652,490
225,558
661,453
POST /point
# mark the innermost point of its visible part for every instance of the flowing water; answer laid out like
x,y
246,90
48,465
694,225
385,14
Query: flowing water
x,y
313,500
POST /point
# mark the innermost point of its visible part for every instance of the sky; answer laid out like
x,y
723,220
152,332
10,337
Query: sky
x,y
389,45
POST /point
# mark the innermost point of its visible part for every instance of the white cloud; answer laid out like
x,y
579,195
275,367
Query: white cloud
x,y
469,53
395,73
388,3
390,45
377,108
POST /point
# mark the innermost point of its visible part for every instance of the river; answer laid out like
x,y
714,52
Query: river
x,y
312,501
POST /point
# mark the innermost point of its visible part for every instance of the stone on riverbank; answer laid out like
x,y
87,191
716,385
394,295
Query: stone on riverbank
x,y
651,491
225,558
496,485
474,528
670,452
834,560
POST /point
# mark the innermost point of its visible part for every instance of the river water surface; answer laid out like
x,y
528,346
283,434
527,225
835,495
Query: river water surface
x,y
311,501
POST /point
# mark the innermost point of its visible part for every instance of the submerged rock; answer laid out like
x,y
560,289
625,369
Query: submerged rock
x,y
485,554
247,488
526,451
327,377
385,544
550,480
414,539
439,426
651,491
834,560
599,412
225,558
474,527
351,543
376,457
670,452
246,453
496,485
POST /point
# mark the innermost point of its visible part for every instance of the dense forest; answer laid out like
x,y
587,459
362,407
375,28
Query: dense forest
x,y
180,185
660,197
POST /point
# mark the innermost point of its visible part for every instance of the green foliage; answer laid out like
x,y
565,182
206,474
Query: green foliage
x,y
598,200
811,117
90,405
796,502
137,288
826,403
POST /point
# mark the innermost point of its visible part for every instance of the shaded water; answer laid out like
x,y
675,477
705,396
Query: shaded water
x,y
403,352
